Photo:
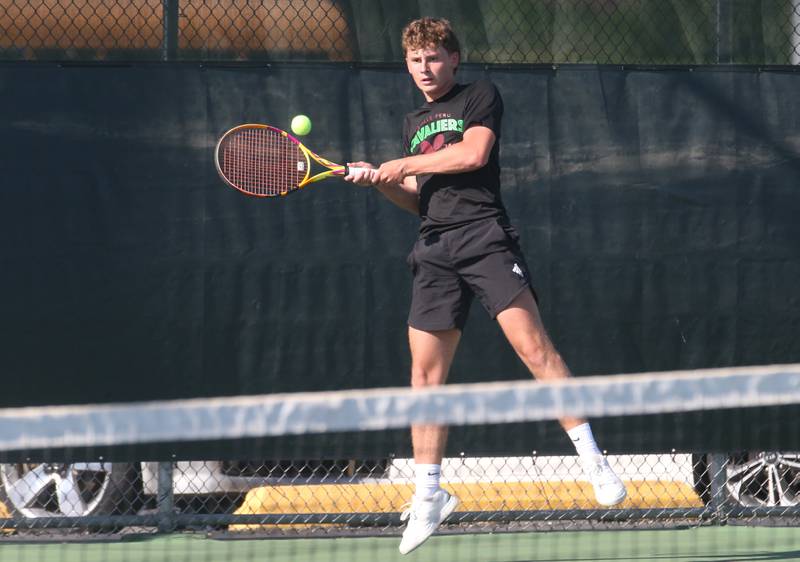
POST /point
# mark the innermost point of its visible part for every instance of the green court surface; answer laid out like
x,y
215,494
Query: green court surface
x,y
707,544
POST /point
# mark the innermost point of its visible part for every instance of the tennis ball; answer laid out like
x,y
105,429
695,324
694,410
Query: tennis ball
x,y
301,125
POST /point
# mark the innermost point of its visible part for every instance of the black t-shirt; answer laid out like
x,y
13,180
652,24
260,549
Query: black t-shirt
x,y
447,201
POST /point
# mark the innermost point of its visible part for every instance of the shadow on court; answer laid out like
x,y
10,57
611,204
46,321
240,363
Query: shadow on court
x,y
764,556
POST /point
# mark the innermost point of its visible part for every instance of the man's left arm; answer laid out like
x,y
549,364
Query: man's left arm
x,y
472,153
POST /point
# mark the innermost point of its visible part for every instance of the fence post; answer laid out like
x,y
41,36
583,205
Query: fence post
x,y
164,497
171,13
795,38
718,502
724,32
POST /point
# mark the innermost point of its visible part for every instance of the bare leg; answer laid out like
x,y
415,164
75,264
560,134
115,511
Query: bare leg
x,y
431,356
522,325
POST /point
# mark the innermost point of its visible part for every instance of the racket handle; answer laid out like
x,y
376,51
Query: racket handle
x,y
354,169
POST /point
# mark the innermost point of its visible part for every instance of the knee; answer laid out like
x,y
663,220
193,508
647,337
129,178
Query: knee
x,y
421,377
538,357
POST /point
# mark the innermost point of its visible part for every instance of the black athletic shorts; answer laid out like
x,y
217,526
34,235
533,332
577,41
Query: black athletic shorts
x,y
481,258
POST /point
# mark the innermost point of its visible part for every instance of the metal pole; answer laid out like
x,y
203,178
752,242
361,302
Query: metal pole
x,y
718,504
794,44
724,32
169,49
165,500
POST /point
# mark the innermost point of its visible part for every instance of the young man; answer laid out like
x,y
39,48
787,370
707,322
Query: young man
x,y
466,247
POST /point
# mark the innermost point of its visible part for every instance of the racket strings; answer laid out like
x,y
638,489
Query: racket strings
x,y
263,162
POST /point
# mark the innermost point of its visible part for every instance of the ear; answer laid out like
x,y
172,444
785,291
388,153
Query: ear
x,y
455,59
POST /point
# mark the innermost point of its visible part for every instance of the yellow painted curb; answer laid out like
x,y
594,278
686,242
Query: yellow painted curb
x,y
488,496
5,513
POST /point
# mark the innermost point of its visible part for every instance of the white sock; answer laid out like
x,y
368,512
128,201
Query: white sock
x,y
583,440
427,479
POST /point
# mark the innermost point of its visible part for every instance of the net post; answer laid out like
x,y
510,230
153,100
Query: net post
x,y
718,501
165,498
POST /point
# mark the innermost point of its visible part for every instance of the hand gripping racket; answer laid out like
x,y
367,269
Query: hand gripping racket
x,y
264,161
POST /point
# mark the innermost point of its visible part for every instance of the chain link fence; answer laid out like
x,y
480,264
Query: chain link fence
x,y
648,32
331,497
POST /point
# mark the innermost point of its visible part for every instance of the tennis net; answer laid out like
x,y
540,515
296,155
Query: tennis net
x,y
713,456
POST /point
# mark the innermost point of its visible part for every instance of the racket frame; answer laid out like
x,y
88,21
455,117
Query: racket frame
x,y
334,169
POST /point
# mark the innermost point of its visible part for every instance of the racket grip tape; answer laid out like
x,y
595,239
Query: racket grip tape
x,y
353,170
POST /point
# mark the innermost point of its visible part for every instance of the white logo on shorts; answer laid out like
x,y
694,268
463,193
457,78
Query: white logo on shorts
x,y
518,270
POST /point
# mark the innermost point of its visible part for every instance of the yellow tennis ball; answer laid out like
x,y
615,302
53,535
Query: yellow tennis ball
x,y
301,125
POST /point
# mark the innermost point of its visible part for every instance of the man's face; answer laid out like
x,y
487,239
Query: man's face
x,y
433,70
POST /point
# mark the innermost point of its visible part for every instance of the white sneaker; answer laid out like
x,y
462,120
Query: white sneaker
x,y
608,488
424,517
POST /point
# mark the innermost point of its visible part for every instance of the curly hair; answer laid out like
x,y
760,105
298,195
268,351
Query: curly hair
x,y
430,32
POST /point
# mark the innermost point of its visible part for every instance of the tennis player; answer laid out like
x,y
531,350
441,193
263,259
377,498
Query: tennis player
x,y
467,247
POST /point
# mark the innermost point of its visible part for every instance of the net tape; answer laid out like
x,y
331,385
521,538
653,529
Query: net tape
x,y
391,408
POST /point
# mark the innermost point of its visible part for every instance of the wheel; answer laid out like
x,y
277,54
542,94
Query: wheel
x,y
765,479
70,490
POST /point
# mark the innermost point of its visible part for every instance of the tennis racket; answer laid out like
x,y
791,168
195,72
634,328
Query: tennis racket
x,y
265,161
